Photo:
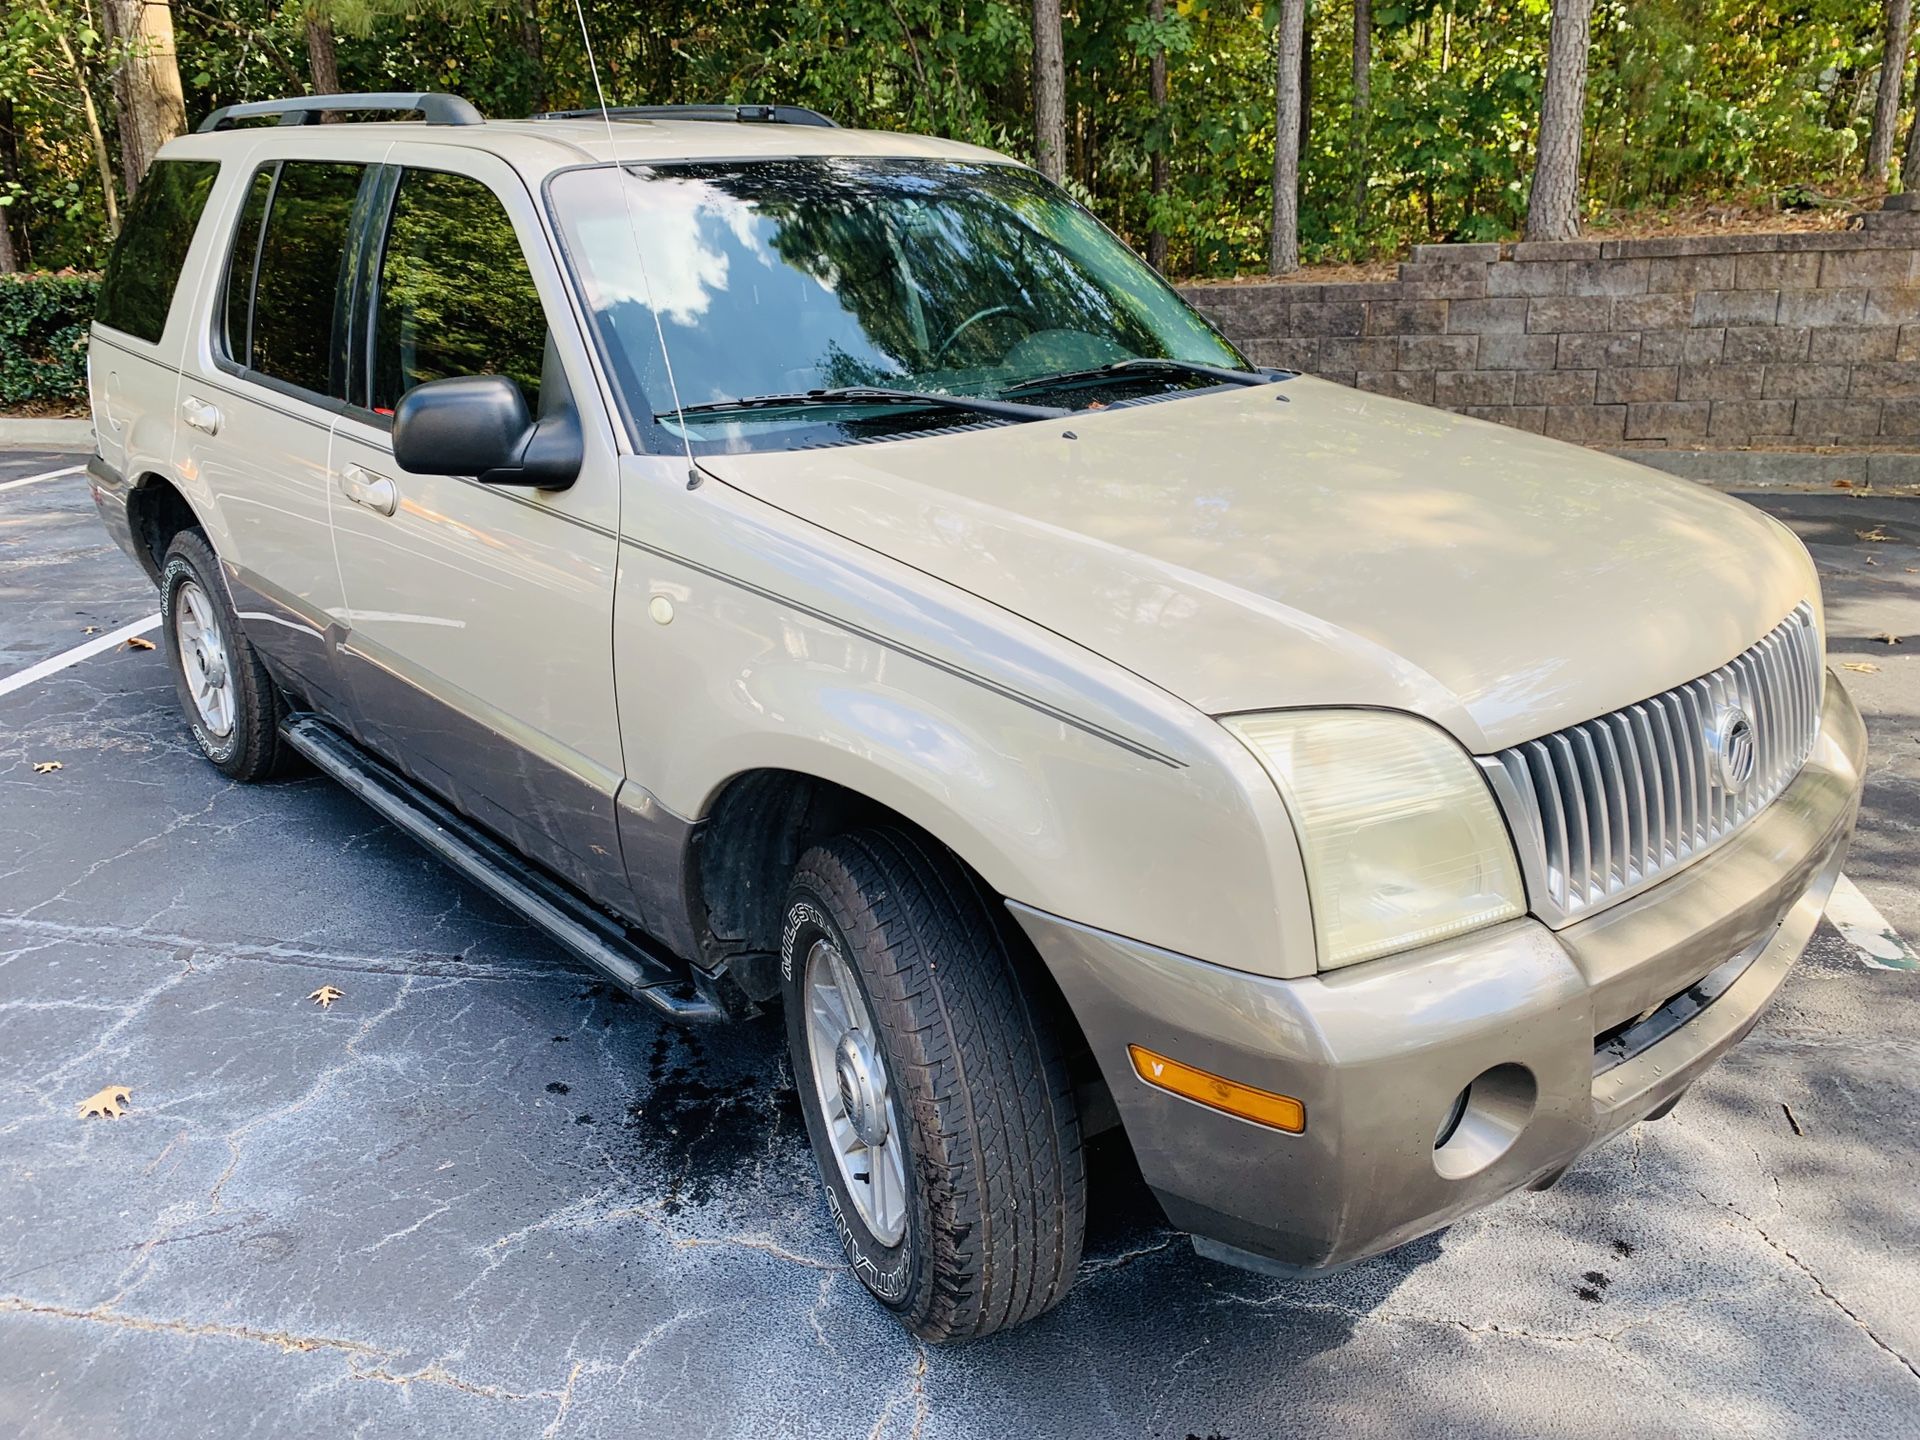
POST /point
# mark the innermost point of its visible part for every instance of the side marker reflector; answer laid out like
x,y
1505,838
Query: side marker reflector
x,y
1263,1107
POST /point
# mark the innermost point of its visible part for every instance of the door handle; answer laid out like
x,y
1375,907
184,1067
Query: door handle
x,y
200,415
363,487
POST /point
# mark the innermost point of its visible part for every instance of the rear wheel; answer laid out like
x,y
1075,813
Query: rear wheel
x,y
231,704
934,1087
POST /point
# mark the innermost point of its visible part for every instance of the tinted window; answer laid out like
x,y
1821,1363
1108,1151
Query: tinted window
x,y
299,313
456,297
237,304
145,268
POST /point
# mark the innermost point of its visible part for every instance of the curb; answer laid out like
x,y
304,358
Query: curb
x,y
37,434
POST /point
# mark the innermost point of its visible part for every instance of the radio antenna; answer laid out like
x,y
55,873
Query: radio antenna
x,y
640,259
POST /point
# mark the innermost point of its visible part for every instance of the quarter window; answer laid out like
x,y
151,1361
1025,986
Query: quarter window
x,y
237,304
455,294
144,270
299,323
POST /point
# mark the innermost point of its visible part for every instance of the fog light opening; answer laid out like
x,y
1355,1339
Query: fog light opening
x,y
1484,1121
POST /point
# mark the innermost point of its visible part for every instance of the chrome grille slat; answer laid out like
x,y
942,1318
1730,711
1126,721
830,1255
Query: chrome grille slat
x,y
1609,805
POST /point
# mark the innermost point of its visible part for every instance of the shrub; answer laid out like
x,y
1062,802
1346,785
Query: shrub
x,y
43,337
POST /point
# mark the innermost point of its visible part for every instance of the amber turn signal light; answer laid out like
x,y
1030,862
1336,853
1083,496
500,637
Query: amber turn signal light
x,y
1263,1107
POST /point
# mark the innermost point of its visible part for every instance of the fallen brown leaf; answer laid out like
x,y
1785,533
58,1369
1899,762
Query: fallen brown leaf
x,y
1865,667
1887,637
139,642
1875,536
107,1104
47,767
90,630
325,996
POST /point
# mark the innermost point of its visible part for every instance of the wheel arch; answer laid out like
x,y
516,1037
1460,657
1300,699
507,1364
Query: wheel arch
x,y
158,510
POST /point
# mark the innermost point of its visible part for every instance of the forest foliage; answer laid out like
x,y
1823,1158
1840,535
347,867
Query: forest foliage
x,y
1689,102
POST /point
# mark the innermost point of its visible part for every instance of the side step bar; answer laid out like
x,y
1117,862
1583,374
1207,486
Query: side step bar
x,y
622,954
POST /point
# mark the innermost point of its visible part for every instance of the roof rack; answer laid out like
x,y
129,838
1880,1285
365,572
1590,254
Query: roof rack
x,y
435,109
744,114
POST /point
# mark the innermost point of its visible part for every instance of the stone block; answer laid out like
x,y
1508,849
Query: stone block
x,y
1721,382
1636,385
1527,250
1343,353
1885,380
1473,387
1735,307
1670,420
1443,282
1843,269
1776,270
1682,347
1900,419
1854,346
1821,307
1652,312
1806,382
1891,307
1325,317
1554,387
1406,317
1907,350
1743,419
1285,352
1470,252
1518,352
1487,317
1689,245
1587,424
1541,277
1438,352
1599,350
1756,344
1607,277
1690,272
1837,420
1559,314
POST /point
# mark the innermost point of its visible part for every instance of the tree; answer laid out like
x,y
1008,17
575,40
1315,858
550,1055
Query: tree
x,y
1893,76
1290,40
323,60
1910,161
1049,92
1553,203
1362,105
1157,93
146,82
9,183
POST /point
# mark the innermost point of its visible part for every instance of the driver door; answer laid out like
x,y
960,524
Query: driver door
x,y
480,617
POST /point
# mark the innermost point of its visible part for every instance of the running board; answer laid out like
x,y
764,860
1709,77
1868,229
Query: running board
x,y
603,942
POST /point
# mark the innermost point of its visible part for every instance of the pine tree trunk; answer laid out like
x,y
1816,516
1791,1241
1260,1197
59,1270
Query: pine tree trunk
x,y
1157,92
1284,258
323,60
1553,205
1893,81
1362,105
9,171
1910,162
146,82
1049,92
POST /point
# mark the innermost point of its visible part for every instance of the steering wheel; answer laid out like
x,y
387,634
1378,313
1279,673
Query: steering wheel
x,y
940,351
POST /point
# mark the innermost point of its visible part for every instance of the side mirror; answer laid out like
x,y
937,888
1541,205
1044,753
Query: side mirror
x,y
478,425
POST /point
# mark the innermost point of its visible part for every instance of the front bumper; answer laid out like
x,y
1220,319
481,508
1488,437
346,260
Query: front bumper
x,y
1379,1053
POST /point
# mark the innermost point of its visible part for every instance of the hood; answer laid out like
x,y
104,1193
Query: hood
x,y
1309,544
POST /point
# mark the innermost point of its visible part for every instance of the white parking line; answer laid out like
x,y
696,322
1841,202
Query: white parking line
x,y
49,475
22,678
1867,930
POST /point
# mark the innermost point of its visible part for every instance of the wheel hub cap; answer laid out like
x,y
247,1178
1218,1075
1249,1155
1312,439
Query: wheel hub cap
x,y
850,1083
203,659
863,1093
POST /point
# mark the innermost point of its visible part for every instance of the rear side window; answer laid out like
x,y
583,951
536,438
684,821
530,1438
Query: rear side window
x,y
237,300
299,312
455,297
144,270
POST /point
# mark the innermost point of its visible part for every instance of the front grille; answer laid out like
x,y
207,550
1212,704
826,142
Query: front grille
x,y
1602,808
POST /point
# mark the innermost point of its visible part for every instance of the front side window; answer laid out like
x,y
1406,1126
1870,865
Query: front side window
x,y
455,294
778,277
144,270
299,302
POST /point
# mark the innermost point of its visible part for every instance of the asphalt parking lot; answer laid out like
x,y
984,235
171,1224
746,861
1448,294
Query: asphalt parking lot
x,y
481,1195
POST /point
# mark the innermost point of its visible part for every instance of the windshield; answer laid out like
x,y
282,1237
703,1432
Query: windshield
x,y
778,277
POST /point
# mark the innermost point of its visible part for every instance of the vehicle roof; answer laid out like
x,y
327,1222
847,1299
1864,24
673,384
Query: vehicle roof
x,y
538,147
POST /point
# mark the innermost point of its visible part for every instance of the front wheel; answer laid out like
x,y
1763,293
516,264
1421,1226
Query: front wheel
x,y
934,1086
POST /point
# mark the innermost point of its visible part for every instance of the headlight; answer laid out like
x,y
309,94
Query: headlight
x,y
1402,842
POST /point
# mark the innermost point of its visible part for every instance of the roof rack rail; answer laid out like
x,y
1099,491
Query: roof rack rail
x,y
745,114
434,108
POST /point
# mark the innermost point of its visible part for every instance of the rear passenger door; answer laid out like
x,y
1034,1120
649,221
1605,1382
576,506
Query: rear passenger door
x,y
258,398
479,646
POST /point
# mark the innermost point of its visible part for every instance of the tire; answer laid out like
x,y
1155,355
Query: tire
x,y
214,657
994,1206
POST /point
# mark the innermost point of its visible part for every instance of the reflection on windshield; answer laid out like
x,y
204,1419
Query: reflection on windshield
x,y
775,277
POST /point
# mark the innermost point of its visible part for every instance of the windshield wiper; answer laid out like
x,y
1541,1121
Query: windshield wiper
x,y
874,395
1148,363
